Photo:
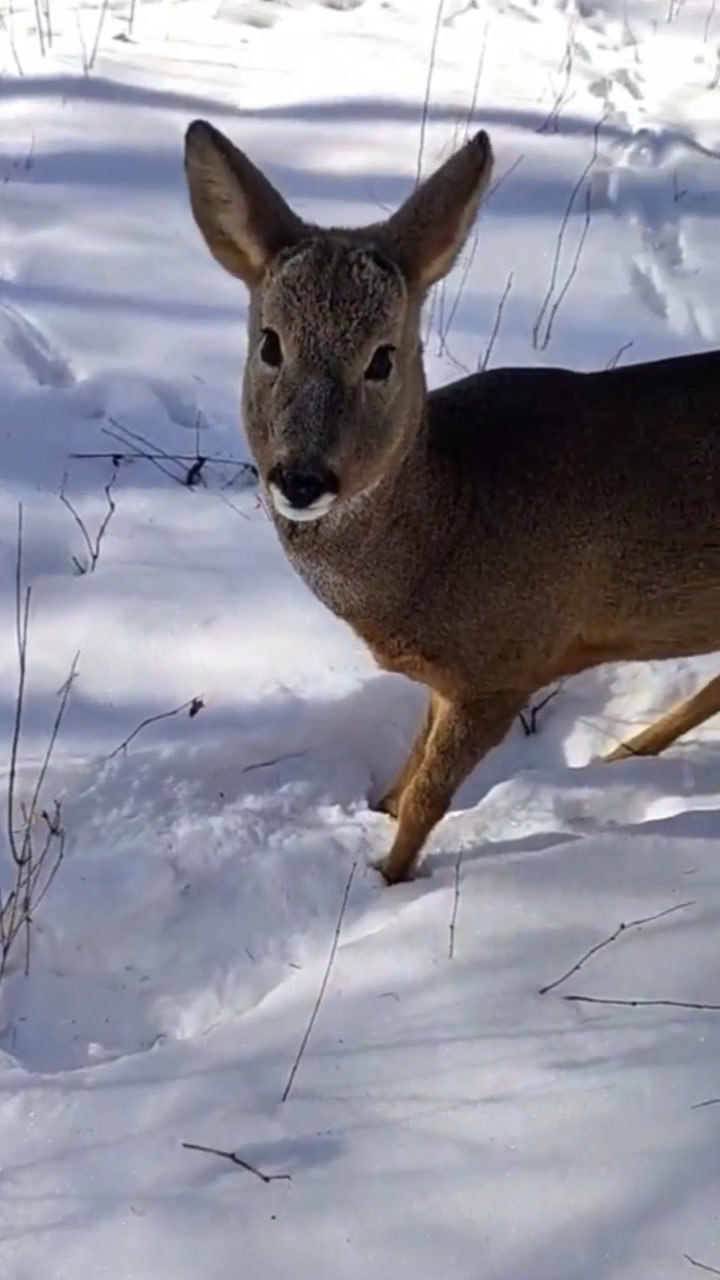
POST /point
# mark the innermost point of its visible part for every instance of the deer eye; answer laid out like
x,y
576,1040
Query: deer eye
x,y
270,349
381,365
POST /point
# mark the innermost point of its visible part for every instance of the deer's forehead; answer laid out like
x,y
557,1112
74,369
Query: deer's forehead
x,y
330,287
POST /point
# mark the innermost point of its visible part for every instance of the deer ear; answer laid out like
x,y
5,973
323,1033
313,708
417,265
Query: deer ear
x,y
245,222
429,229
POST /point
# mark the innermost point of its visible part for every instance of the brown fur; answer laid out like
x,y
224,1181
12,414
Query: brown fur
x,y
507,529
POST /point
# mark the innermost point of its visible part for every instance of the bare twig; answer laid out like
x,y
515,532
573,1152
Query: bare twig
x,y
7,27
194,462
34,867
323,986
624,927
153,453
529,718
81,38
573,269
64,696
194,474
709,1102
428,88
444,330
455,906
117,456
267,764
679,192
441,292
564,222
48,23
614,361
238,1160
491,191
478,76
98,32
503,177
702,1266
485,358
93,545
563,96
192,706
22,616
639,1004
39,26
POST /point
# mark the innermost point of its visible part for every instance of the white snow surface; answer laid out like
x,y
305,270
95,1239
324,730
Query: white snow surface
x,y
445,1120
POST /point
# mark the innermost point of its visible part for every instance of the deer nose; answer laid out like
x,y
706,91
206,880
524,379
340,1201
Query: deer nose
x,y
303,487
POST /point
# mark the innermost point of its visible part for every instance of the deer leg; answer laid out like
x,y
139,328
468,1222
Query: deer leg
x,y
390,802
461,734
687,715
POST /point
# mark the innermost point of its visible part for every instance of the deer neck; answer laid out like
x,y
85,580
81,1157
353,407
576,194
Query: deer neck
x,y
363,560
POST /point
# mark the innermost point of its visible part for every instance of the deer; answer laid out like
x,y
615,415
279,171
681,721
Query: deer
x,y
486,538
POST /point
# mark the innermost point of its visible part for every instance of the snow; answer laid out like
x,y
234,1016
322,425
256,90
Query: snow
x,y
445,1118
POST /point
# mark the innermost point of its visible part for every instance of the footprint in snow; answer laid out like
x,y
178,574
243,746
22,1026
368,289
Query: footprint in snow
x,y
38,355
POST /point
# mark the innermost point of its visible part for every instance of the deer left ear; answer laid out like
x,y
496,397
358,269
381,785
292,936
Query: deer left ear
x,y
243,218
428,231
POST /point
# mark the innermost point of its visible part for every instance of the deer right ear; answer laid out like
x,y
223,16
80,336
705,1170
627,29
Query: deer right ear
x,y
430,228
245,222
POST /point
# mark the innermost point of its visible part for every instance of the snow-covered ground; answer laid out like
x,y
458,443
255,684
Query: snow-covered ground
x,y
446,1119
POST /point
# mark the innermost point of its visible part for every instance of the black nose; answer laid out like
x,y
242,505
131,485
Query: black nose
x,y
303,487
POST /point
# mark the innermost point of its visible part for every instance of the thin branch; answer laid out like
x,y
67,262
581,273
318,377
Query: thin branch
x,y
702,1266
81,38
64,693
470,258
428,87
564,222
624,927
323,986
615,360
35,868
478,76
115,456
153,453
573,269
267,764
485,358
441,292
123,433
709,1102
491,191
38,23
96,42
639,1004
192,706
455,906
566,65
93,546
22,615
7,27
503,177
529,721
238,1160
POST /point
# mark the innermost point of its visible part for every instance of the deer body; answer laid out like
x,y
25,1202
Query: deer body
x,y
508,529
542,520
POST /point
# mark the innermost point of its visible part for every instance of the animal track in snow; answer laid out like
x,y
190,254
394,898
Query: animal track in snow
x,y
642,193
180,409
44,362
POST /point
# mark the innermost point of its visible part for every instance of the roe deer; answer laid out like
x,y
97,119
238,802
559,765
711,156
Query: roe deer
x,y
505,530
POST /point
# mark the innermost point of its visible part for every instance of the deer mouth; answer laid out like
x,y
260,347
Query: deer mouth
x,y
302,493
315,510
